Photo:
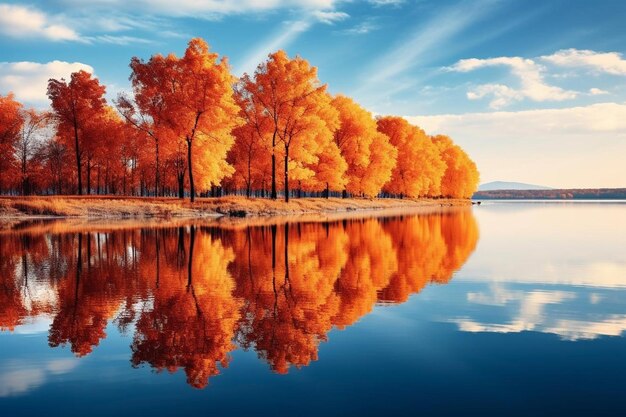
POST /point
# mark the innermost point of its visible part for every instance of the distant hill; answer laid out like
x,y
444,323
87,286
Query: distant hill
x,y
550,194
507,185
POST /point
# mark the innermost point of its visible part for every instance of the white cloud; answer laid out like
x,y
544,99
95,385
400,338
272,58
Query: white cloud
x,y
573,330
386,2
604,62
595,118
207,9
29,80
330,17
570,330
21,377
531,315
27,22
568,147
361,28
119,39
20,380
529,73
597,92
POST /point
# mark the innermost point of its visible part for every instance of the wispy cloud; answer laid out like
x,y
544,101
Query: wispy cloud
x,y
540,311
602,62
21,22
527,145
28,22
29,80
205,9
597,92
386,2
330,17
582,120
119,39
530,75
414,48
20,377
362,28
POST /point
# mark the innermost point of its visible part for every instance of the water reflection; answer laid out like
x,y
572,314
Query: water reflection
x,y
189,295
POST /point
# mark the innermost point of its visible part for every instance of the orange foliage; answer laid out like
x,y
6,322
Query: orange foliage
x,y
188,292
191,127
461,176
419,167
369,154
192,321
75,106
301,119
11,122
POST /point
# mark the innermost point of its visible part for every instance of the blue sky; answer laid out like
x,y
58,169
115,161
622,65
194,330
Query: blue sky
x,y
535,91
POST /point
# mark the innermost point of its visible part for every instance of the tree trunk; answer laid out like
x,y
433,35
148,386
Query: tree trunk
x,y
78,164
181,185
192,189
327,191
23,175
157,176
286,175
274,194
249,182
88,176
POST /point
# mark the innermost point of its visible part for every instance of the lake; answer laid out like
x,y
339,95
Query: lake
x,y
509,308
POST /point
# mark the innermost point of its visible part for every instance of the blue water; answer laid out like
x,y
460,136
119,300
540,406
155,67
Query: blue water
x,y
528,320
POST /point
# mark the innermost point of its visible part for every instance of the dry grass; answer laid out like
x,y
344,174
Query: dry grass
x,y
99,207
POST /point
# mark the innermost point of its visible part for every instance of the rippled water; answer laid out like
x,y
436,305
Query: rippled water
x,y
397,315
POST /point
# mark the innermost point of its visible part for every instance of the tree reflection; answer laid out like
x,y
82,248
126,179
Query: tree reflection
x,y
190,294
192,321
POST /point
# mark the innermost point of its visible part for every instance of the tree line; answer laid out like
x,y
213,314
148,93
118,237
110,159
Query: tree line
x,y
190,128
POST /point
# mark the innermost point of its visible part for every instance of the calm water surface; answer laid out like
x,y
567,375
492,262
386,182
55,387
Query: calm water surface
x,y
509,309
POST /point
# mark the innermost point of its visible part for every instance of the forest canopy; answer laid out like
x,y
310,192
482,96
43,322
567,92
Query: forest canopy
x,y
189,127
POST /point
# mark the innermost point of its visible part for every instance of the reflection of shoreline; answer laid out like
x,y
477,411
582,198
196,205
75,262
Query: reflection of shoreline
x,y
16,209
75,225
189,292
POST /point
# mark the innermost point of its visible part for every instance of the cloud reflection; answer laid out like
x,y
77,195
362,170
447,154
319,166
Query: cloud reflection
x,y
20,377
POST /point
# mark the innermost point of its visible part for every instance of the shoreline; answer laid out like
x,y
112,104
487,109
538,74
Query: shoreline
x,y
145,208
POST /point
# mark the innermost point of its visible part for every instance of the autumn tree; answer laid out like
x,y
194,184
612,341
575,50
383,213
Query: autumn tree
x,y
383,160
419,167
202,111
146,111
192,98
329,171
247,154
299,111
75,104
369,154
29,143
461,177
11,122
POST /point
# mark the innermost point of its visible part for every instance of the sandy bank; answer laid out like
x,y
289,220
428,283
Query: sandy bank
x,y
99,207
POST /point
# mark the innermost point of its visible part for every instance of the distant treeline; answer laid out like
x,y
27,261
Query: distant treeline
x,y
564,194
